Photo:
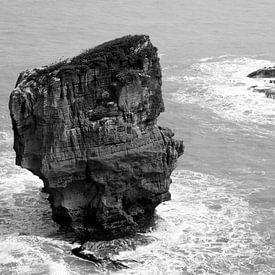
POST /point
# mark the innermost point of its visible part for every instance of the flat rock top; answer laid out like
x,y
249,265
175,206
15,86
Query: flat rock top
x,y
125,52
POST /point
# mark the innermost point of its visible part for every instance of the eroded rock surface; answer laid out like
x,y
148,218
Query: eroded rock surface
x,y
87,127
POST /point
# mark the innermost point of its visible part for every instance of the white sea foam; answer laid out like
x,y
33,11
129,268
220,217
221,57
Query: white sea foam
x,y
207,228
213,58
221,85
5,139
32,255
161,55
20,199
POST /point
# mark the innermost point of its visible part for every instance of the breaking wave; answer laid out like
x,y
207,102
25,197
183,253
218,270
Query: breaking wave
x,y
220,84
207,228
32,255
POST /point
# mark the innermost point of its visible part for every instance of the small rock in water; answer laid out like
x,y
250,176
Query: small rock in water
x,y
222,240
268,88
102,252
263,73
215,206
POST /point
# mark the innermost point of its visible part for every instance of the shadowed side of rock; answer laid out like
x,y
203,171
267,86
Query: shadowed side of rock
x,y
87,127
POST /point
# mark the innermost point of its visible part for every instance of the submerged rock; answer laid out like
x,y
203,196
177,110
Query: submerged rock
x,y
87,127
106,252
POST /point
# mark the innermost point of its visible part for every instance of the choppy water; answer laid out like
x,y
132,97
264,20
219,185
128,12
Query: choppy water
x,y
221,219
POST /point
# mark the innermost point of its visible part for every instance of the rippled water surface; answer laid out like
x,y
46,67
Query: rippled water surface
x,y
221,219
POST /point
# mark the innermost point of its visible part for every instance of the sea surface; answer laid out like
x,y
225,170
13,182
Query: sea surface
x,y
221,219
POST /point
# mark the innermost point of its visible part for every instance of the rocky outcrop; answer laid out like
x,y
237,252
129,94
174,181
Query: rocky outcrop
x,y
87,127
105,252
268,87
266,72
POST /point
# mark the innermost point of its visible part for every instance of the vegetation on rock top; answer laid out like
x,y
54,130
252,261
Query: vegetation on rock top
x,y
116,54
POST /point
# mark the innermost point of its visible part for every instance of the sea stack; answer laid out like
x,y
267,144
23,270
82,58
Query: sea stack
x,y
87,127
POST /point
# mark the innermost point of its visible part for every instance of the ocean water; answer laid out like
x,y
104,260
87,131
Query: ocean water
x,y
221,219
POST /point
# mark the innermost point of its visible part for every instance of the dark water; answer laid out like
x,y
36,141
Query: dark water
x,y
221,219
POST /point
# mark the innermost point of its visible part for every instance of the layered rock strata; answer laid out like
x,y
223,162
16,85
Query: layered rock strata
x,y
87,127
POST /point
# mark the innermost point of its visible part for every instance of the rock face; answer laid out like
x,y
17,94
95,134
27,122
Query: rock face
x,y
87,127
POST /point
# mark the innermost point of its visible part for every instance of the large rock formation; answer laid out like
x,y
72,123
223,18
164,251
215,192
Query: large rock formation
x,y
87,127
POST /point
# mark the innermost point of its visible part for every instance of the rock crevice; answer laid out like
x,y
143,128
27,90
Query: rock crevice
x,y
87,127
